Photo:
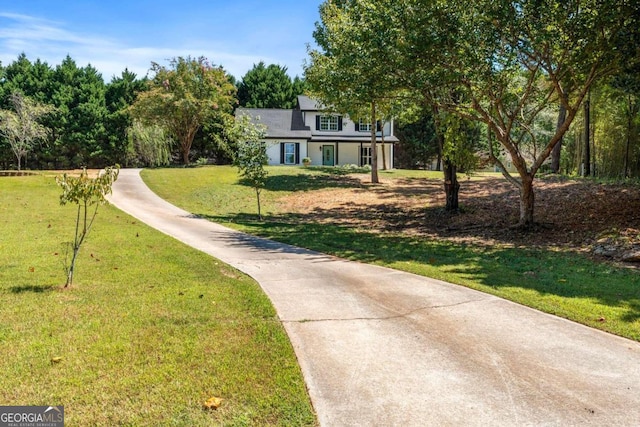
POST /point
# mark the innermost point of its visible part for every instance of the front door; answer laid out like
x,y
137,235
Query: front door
x,y
327,155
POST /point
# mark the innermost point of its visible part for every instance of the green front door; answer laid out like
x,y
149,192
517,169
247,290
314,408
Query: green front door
x,y
327,156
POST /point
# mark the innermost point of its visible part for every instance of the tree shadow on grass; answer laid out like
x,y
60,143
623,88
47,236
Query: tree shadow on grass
x,y
307,182
38,289
498,268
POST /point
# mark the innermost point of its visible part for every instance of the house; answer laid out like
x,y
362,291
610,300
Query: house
x,y
328,139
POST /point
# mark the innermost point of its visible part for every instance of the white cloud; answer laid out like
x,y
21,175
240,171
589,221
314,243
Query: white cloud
x,y
50,41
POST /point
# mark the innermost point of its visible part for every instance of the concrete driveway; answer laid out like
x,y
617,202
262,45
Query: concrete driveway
x,y
379,347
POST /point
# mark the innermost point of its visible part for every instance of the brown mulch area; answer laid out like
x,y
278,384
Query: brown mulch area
x,y
573,214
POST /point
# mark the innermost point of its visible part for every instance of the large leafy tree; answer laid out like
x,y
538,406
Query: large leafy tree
x,y
350,73
268,87
504,62
183,97
501,63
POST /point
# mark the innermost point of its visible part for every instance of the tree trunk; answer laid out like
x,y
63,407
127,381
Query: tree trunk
x,y
555,154
440,140
185,156
451,186
587,138
259,207
374,150
527,199
629,124
384,155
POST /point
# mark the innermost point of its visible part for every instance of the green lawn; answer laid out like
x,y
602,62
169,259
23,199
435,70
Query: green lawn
x,y
148,332
561,283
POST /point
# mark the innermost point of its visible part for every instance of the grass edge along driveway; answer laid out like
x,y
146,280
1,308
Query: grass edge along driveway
x,y
566,284
149,331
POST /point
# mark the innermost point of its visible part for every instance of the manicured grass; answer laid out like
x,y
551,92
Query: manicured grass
x,y
557,282
148,332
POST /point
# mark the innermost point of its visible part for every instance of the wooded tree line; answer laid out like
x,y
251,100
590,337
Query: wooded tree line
x,y
67,117
614,137
520,71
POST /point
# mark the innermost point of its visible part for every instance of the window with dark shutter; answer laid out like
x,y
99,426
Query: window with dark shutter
x,y
317,122
290,153
339,123
282,153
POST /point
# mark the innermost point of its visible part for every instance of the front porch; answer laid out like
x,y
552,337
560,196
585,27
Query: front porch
x,y
339,153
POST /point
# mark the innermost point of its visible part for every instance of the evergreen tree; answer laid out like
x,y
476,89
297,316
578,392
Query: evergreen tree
x,y
79,95
120,94
268,87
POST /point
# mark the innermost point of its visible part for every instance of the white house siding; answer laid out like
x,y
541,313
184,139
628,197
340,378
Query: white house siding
x,y
348,127
315,152
349,154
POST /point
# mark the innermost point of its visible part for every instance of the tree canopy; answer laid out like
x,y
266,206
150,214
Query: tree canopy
x,y
501,63
22,126
269,87
183,96
350,73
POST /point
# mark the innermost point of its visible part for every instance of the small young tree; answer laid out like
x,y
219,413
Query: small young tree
x,y
21,127
252,154
85,192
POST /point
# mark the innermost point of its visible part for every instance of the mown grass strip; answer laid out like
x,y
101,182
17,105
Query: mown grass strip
x,y
148,332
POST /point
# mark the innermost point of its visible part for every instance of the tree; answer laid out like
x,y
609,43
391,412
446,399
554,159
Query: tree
x,y
120,94
267,87
505,61
350,73
557,150
85,192
22,127
627,82
31,79
183,97
252,154
80,135
459,145
418,142
151,145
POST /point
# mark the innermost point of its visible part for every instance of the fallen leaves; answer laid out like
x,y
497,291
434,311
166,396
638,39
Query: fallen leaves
x,y
570,213
212,403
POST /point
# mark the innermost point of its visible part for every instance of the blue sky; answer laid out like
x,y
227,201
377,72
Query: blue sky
x,y
113,35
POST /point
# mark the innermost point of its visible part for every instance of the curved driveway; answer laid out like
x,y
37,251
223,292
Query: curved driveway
x,y
379,347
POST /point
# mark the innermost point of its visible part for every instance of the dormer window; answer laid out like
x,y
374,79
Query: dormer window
x,y
330,123
364,126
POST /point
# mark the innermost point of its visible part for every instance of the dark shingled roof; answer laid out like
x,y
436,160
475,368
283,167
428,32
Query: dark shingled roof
x,y
279,123
307,104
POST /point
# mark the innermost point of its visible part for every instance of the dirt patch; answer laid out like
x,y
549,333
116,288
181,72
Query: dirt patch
x,y
572,214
